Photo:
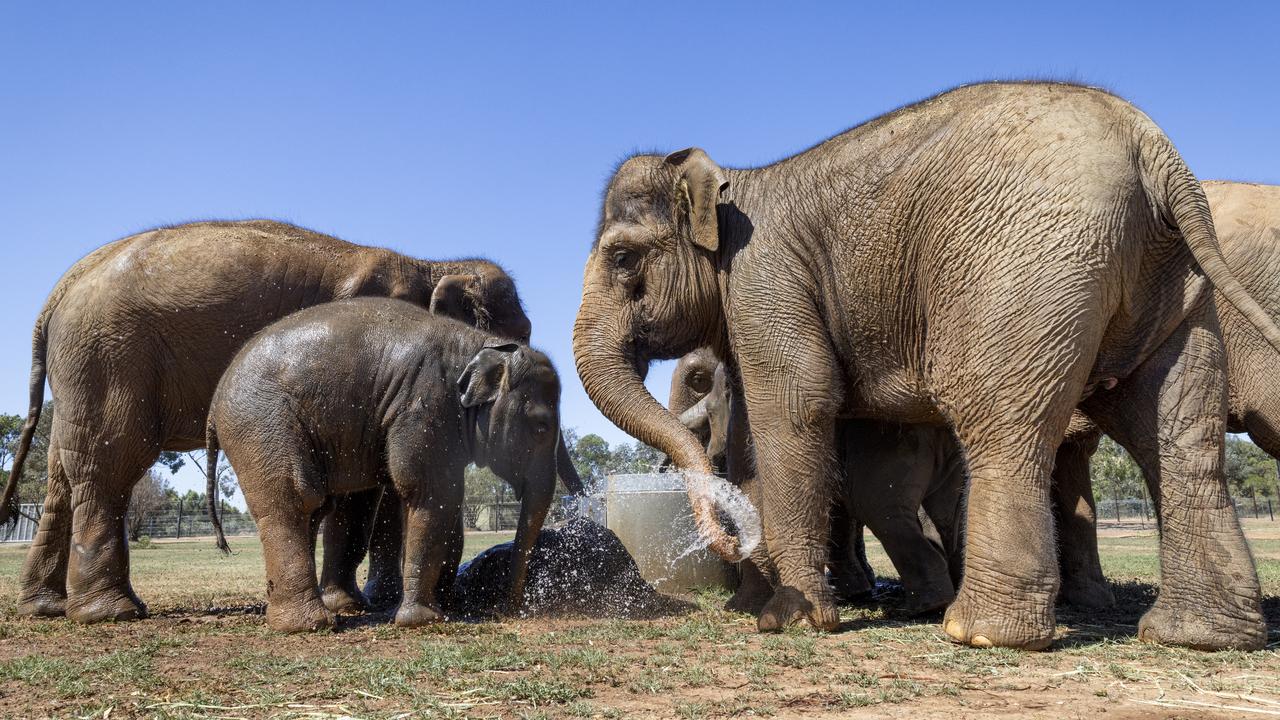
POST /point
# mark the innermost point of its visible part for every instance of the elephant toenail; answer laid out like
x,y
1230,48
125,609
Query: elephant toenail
x,y
980,641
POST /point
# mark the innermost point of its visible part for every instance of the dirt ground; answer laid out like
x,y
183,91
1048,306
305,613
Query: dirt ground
x,y
207,653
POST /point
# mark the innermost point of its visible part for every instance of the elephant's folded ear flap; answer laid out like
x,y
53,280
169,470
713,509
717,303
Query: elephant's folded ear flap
x,y
702,181
452,298
481,381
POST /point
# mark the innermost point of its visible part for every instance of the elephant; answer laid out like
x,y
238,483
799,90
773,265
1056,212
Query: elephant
x,y
133,339
1247,218
987,260
700,398
356,393
895,479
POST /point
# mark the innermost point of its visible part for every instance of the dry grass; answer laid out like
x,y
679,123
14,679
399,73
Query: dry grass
x,y
207,654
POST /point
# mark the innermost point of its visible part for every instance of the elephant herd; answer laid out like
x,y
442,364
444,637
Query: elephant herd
x,y
921,325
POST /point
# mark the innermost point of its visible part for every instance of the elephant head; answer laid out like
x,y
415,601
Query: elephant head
x,y
513,393
700,396
483,296
651,291
486,298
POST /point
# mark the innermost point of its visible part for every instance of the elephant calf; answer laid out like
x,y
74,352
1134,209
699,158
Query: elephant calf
x,y
347,396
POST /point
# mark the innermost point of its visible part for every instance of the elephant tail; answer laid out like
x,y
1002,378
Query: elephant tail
x,y
1180,200
9,507
211,485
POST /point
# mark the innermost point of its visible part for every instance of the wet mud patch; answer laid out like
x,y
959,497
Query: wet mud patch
x,y
580,569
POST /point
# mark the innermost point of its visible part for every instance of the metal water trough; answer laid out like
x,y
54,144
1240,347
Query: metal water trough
x,y
651,515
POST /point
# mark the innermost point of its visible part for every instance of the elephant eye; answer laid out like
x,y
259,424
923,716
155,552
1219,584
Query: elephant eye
x,y
700,383
626,260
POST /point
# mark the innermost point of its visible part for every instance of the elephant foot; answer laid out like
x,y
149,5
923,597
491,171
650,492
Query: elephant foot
x,y
789,606
380,597
415,615
343,601
43,605
1092,593
980,624
1200,626
104,607
307,616
928,601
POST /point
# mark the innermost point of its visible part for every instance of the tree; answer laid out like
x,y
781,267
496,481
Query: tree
x,y
1250,472
149,499
1115,474
634,458
591,456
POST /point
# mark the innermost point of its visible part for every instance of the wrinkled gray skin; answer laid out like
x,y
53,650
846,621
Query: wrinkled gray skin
x,y
133,339
889,474
1050,240
353,394
1247,218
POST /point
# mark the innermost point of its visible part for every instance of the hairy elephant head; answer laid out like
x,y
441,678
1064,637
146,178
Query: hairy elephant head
x,y
651,291
483,296
513,393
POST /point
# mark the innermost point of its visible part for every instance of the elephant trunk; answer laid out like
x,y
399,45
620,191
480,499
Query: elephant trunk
x,y
607,365
565,469
533,511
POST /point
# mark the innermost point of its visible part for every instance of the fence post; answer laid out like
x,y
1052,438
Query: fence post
x,y
178,533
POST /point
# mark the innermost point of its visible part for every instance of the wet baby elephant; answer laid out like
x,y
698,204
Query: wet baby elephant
x,y
347,396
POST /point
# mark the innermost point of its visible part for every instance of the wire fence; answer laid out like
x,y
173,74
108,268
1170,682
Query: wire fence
x,y
505,516
1142,509
169,525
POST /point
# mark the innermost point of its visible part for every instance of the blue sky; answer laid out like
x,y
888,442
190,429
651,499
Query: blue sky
x,y
490,129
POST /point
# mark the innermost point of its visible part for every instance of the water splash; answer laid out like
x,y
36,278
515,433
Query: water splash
x,y
735,512
733,506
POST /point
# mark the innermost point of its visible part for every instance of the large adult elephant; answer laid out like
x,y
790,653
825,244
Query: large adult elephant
x,y
1247,218
987,259
133,340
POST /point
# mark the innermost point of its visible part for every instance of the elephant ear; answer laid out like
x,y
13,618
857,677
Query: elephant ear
x,y
701,181
485,376
453,298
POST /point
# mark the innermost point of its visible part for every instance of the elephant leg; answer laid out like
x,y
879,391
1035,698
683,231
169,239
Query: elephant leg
x,y
796,463
384,585
1010,570
921,564
1170,415
847,565
428,526
346,538
286,519
1082,581
432,525
43,582
944,506
102,471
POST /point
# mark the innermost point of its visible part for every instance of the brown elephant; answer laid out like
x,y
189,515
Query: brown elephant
x,y
988,259
348,395
1247,218
134,338
900,480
